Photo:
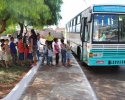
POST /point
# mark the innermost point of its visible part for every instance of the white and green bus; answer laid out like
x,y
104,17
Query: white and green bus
x,y
97,35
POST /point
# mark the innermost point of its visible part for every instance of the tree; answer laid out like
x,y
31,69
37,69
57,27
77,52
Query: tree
x,y
50,18
55,9
33,12
30,12
11,29
4,15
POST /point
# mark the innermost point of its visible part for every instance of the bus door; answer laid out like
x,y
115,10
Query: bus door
x,y
84,32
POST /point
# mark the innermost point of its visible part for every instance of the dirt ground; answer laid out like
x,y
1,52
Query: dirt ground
x,y
6,88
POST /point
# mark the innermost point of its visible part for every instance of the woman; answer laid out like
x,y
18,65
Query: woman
x,y
63,52
33,42
56,51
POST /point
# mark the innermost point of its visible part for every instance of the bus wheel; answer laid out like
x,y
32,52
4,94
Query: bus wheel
x,y
78,53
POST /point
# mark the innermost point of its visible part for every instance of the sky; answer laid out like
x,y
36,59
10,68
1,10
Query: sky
x,y
71,8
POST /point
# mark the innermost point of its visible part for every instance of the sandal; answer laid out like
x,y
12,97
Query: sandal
x,y
70,65
31,66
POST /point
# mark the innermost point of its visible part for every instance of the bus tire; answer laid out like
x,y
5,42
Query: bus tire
x,y
78,53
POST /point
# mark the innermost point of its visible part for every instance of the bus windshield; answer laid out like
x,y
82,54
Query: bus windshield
x,y
109,28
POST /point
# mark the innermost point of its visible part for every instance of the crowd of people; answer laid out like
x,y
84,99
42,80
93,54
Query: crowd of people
x,y
26,50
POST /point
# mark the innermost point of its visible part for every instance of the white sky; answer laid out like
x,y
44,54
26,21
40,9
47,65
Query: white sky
x,y
71,8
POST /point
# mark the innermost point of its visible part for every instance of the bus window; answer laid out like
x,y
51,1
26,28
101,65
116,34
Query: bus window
x,y
105,28
86,33
74,22
78,19
70,23
78,27
67,27
122,28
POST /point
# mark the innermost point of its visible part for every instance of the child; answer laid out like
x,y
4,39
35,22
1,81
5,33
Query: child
x,y
56,51
3,52
44,52
30,57
7,53
69,55
25,48
21,51
63,52
49,53
38,44
13,50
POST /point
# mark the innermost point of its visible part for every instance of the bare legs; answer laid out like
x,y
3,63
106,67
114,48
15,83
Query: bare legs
x,y
34,61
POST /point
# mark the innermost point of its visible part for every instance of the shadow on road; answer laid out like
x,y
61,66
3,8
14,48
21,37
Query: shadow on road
x,y
102,70
107,82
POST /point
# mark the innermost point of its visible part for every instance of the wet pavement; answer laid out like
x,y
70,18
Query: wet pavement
x,y
58,83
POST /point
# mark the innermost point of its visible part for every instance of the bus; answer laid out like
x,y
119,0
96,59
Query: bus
x,y
97,35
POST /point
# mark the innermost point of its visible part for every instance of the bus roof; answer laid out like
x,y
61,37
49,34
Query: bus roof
x,y
102,8
107,4
108,8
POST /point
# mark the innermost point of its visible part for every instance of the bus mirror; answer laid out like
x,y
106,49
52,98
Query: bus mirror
x,y
89,18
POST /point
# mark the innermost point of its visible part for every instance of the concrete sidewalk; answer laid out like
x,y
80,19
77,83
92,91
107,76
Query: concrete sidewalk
x,y
59,83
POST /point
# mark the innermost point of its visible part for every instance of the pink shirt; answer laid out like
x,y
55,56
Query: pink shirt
x,y
56,48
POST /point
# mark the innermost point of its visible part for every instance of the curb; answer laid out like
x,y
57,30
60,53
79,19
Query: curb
x,y
18,90
88,84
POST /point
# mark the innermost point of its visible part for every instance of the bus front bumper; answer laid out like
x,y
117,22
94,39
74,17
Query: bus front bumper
x,y
106,62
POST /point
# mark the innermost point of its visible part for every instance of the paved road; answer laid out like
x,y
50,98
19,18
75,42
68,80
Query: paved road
x,y
107,82
59,83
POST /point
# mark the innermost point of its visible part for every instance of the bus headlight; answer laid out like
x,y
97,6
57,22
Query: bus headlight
x,y
95,54
90,55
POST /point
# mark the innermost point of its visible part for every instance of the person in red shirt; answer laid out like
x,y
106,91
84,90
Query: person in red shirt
x,y
30,57
25,44
21,51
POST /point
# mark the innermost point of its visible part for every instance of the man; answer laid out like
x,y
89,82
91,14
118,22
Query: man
x,y
50,39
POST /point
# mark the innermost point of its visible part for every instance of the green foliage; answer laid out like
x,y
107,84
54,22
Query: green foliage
x,y
37,13
55,9
10,30
3,9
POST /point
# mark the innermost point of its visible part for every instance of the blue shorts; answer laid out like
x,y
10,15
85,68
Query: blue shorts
x,y
69,55
30,56
21,56
49,60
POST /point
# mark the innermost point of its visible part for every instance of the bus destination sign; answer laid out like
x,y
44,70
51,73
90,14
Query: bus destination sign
x,y
120,9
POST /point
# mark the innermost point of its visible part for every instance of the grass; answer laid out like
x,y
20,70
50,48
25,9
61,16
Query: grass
x,y
9,75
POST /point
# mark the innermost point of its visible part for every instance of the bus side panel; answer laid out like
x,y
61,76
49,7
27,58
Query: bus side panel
x,y
74,47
